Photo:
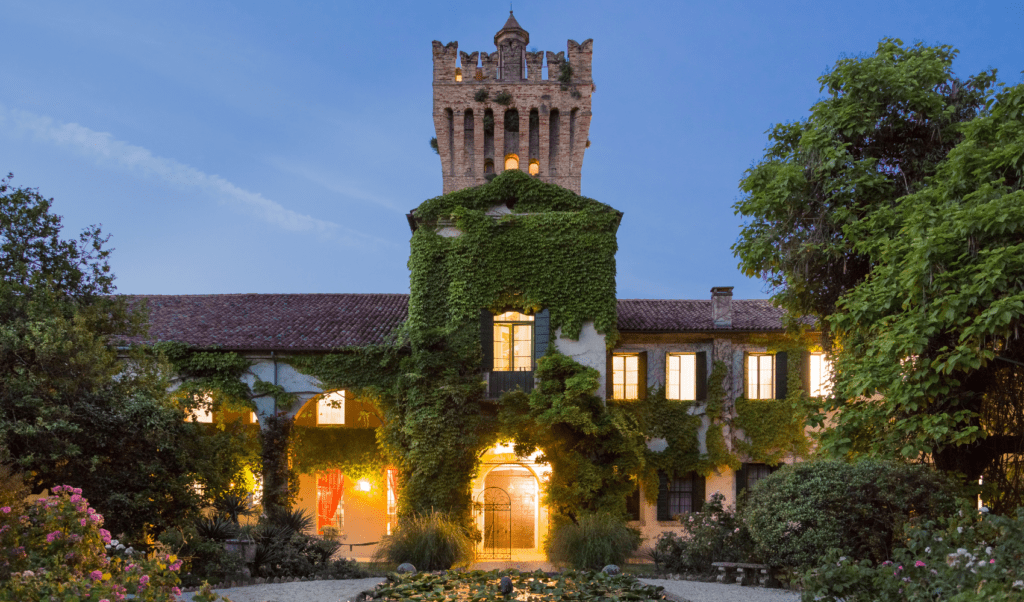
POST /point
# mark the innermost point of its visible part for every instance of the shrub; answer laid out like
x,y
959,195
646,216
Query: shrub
x,y
431,542
216,527
712,535
592,542
481,95
796,515
433,145
969,557
504,98
57,550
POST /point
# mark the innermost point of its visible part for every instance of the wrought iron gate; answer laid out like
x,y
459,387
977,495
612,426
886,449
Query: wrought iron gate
x,y
496,506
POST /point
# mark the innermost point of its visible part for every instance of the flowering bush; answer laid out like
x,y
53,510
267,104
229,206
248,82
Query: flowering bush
x,y
712,535
972,556
57,549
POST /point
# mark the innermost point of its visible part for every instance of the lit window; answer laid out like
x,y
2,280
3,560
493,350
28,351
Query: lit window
x,y
534,167
625,377
682,376
458,74
511,162
760,377
821,375
513,342
330,409
253,418
202,413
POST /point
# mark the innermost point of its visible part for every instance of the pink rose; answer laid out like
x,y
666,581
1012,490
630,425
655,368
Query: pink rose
x,y
52,536
920,563
143,580
6,509
83,522
174,590
96,575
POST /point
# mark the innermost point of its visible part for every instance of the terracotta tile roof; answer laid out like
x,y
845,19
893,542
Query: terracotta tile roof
x,y
682,315
312,322
320,322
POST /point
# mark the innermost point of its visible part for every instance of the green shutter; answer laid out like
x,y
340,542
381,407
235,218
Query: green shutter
x,y
741,480
608,375
781,375
487,339
702,375
541,334
699,491
641,369
805,371
663,512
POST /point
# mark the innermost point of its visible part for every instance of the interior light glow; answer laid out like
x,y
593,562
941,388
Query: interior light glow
x,y
363,485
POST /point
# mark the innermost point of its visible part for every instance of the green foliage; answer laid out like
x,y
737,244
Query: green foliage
x,y
593,449
431,541
354,451
970,557
712,535
13,490
936,329
433,145
592,542
483,586
799,513
216,527
504,98
886,122
481,95
565,73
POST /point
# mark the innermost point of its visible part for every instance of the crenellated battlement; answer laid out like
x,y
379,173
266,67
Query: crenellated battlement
x,y
450,63
512,109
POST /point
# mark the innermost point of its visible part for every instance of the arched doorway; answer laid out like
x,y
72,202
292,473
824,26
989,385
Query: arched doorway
x,y
522,488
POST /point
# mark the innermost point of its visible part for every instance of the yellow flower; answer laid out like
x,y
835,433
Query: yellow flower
x,y
106,576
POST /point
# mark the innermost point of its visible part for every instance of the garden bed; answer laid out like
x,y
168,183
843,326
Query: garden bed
x,y
538,586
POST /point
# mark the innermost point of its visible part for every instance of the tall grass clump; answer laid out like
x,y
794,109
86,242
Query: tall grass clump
x,y
592,542
430,542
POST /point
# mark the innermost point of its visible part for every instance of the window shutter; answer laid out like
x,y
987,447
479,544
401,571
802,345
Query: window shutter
x,y
663,512
702,375
641,376
699,486
541,334
741,480
487,338
805,371
781,375
608,388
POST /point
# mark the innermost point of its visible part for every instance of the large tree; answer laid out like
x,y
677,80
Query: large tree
x,y
894,216
71,410
885,123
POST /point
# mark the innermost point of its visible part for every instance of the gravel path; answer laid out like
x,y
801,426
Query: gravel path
x,y
345,590
698,591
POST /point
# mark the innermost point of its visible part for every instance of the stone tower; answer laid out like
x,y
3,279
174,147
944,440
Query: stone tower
x,y
510,110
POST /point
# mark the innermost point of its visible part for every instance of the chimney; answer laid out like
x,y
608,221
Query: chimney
x,y
721,306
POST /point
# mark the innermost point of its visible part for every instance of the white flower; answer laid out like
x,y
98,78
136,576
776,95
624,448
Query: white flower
x,y
1018,584
961,551
129,551
988,550
959,529
984,509
982,563
120,546
938,539
928,550
107,546
114,542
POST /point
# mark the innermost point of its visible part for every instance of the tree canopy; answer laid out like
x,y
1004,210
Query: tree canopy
x,y
71,410
894,214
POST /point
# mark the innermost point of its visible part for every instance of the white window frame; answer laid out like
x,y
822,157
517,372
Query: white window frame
x,y
621,376
757,388
820,375
681,376
512,323
326,414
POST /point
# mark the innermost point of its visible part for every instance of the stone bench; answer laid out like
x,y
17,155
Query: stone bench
x,y
745,573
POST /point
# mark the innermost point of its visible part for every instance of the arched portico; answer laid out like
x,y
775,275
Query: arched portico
x,y
523,480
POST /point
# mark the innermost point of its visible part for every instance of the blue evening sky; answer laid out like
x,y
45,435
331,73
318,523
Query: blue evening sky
x,y
275,147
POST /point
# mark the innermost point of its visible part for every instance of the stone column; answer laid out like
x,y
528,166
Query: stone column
x,y
459,119
499,139
545,128
478,143
524,140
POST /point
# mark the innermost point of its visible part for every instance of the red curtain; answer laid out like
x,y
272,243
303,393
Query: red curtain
x,y
330,485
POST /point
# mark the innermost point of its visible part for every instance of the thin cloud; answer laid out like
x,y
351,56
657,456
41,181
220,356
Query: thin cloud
x,y
104,147
332,183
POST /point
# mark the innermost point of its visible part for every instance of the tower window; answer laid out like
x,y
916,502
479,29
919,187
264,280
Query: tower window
x,y
488,166
511,161
534,167
513,342
458,74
